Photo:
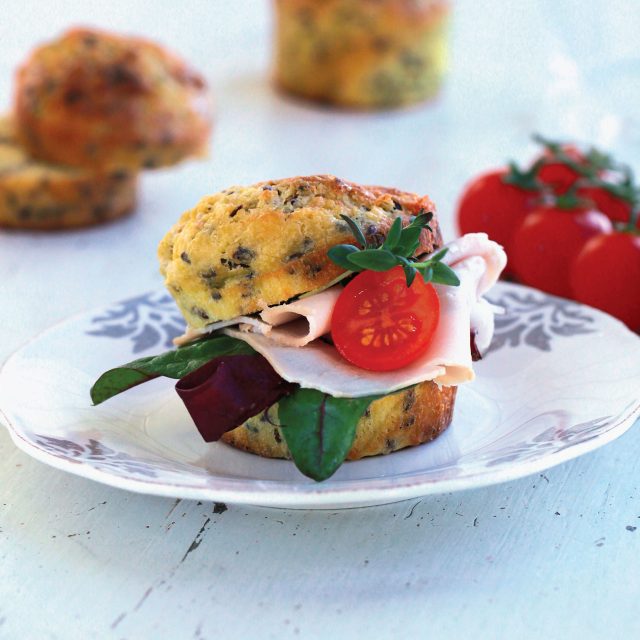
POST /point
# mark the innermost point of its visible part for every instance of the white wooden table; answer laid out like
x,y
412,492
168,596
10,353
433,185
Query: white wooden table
x,y
554,555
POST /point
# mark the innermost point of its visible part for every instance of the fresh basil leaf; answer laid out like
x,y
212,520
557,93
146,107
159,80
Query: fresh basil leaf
x,y
441,254
424,218
393,236
355,229
319,429
410,274
171,364
409,241
373,259
340,254
444,274
399,248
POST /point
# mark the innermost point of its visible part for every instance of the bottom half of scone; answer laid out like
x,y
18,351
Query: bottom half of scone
x,y
399,420
36,195
31,199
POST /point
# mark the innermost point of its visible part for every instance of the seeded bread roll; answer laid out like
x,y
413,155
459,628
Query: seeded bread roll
x,y
400,420
247,248
363,54
35,195
98,100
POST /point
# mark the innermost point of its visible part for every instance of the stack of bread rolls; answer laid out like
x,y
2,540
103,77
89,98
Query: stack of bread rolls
x,y
91,110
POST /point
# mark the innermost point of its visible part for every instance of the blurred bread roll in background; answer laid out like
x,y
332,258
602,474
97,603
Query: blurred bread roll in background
x,y
38,195
98,100
371,54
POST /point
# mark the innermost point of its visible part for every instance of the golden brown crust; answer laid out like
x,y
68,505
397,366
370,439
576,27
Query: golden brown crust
x,y
400,420
35,195
94,99
247,248
373,54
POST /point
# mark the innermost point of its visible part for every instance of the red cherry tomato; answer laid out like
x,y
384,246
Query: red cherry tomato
x,y
491,205
559,176
547,242
616,209
606,274
380,324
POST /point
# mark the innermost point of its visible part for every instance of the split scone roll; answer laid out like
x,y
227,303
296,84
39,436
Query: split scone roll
x,y
37,195
93,99
373,54
246,249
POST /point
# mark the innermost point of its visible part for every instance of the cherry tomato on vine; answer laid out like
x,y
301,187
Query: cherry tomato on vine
x,y
547,242
380,324
491,205
558,175
616,209
606,274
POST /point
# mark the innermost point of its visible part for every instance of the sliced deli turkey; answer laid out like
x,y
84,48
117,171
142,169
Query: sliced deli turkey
x,y
476,260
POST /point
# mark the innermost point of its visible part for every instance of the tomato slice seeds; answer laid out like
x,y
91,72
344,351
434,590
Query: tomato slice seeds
x,y
380,324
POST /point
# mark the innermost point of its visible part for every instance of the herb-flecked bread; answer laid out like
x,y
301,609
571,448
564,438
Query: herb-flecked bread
x,y
400,420
247,248
98,100
35,195
363,54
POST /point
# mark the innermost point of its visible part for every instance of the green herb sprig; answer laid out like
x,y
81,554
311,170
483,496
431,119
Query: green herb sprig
x,y
397,250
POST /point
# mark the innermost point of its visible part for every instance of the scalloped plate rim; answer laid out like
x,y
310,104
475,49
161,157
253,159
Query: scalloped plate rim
x,y
280,494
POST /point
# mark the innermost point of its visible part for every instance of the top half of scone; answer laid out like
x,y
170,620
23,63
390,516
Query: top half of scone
x,y
99,100
247,248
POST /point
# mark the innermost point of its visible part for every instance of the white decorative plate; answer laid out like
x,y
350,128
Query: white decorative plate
x,y
560,380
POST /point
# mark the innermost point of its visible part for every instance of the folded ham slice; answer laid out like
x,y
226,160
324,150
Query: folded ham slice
x,y
294,324
280,332
193,334
478,244
476,260
495,259
299,322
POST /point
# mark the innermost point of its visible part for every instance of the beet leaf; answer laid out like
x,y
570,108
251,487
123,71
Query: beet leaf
x,y
229,390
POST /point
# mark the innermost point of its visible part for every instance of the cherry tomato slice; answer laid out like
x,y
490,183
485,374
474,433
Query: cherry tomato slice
x,y
606,275
380,324
547,242
488,204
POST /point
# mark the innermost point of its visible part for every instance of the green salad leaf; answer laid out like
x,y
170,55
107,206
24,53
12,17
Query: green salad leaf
x,y
171,364
322,429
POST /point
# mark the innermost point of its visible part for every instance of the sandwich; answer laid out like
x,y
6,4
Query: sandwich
x,y
326,321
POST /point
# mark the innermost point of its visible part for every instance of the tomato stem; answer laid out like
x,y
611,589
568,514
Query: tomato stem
x,y
526,179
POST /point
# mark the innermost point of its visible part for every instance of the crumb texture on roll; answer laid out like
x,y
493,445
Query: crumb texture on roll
x,y
36,195
400,420
247,248
94,99
373,54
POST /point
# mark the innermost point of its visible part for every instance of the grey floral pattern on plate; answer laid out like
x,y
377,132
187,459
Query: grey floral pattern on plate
x,y
100,456
97,454
533,318
149,320
554,439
